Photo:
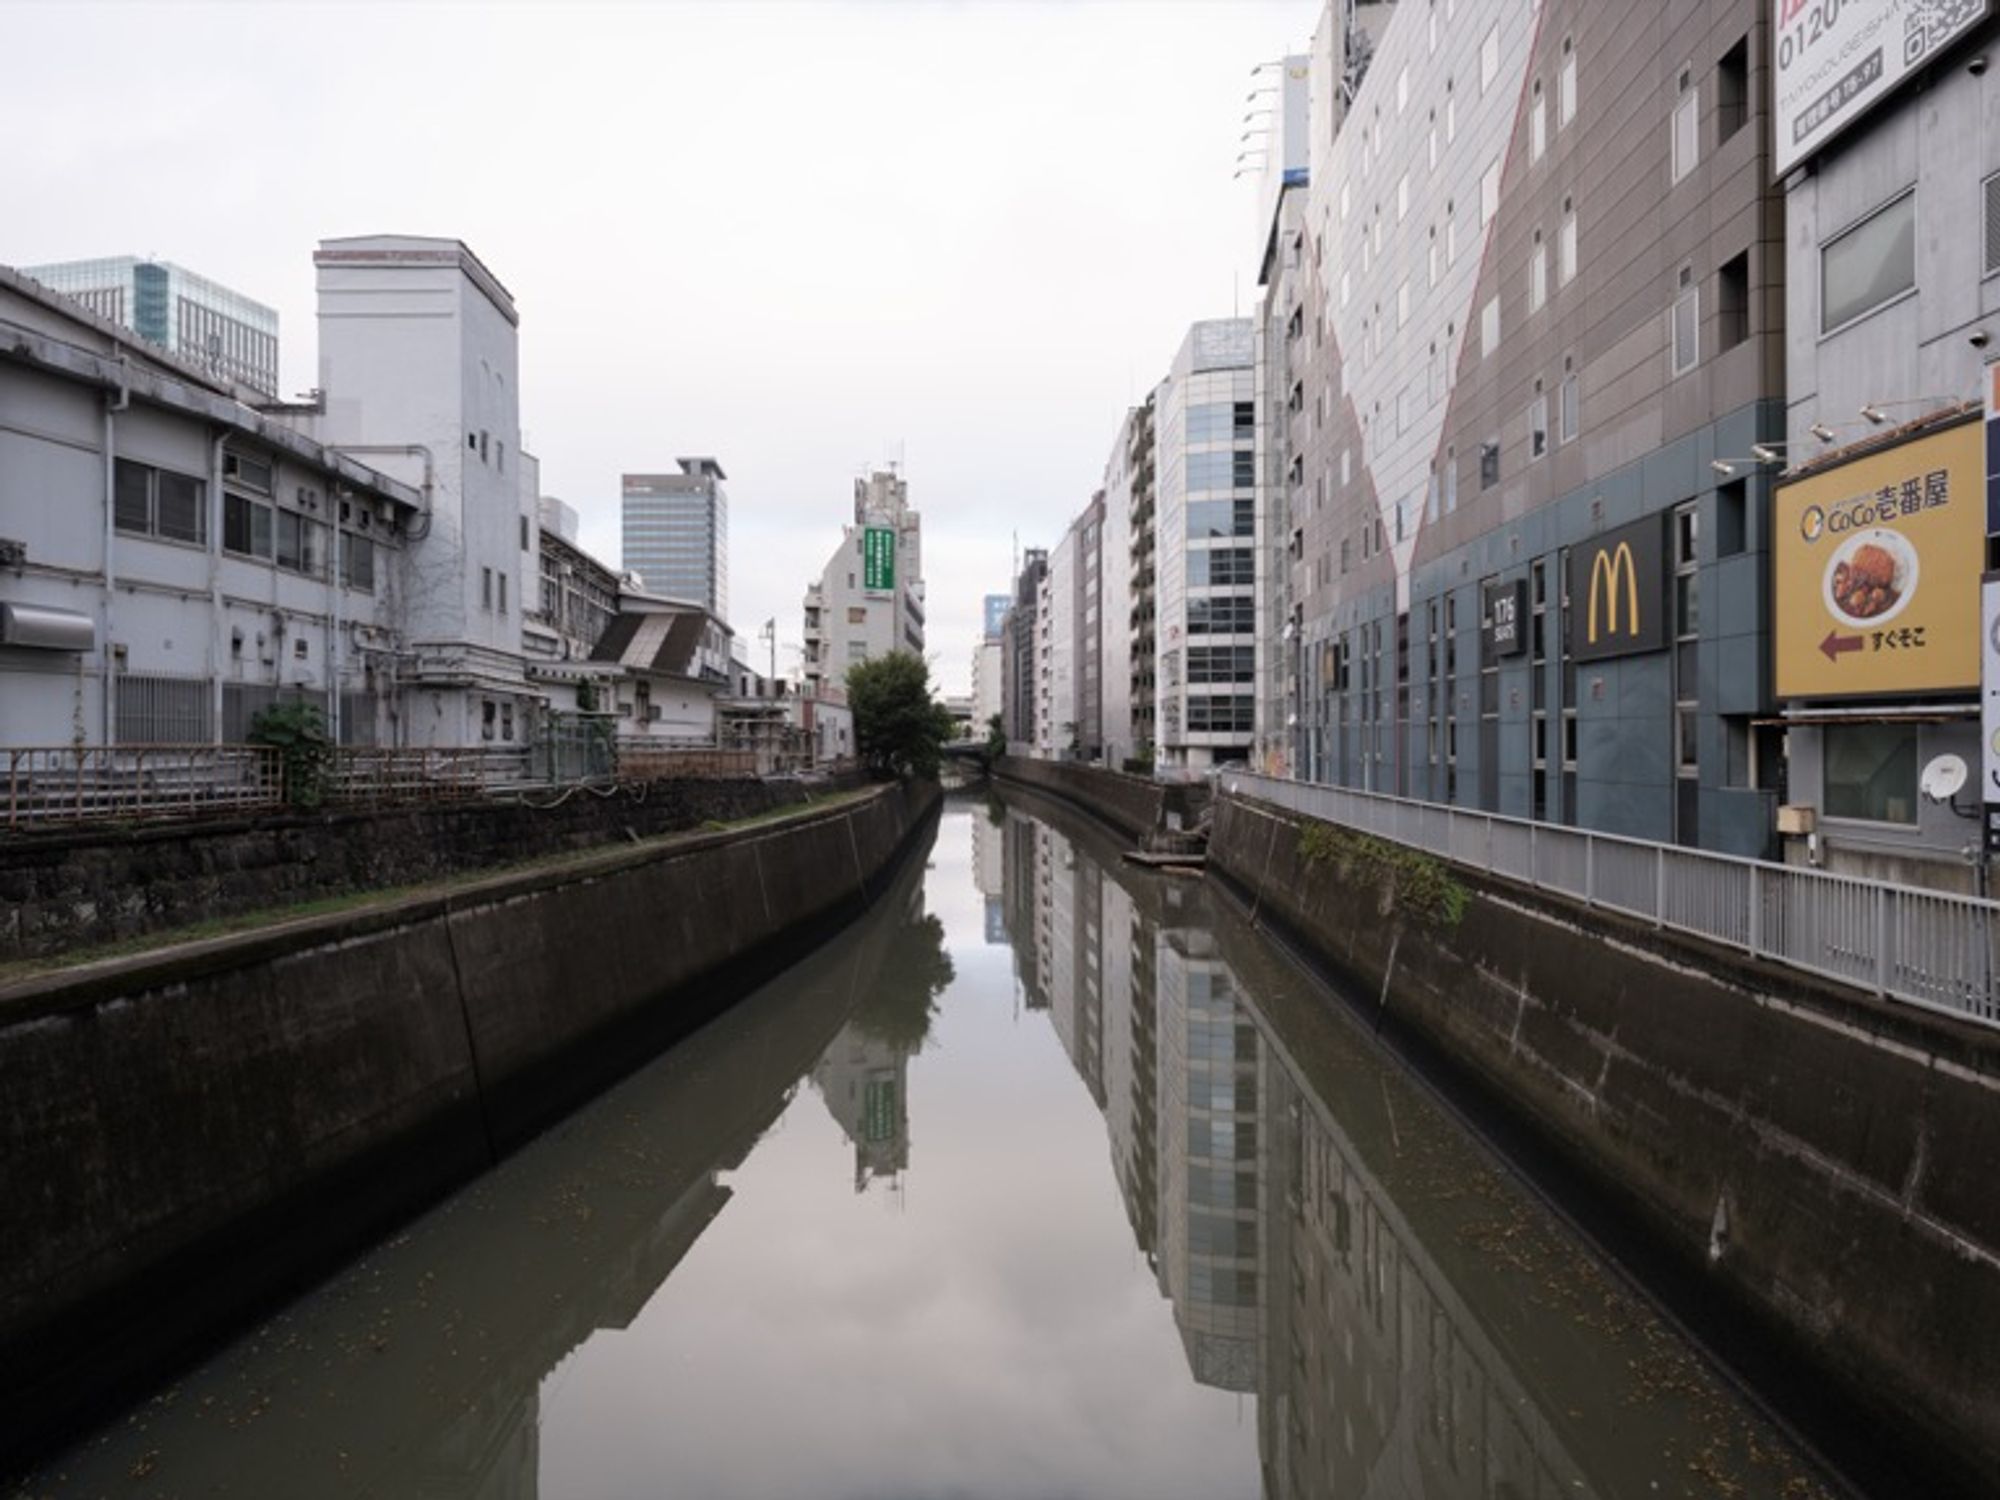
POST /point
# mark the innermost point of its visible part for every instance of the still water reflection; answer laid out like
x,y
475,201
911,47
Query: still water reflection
x,y
868,1236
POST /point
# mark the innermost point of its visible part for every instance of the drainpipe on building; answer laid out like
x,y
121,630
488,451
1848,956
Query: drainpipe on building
x,y
415,534
214,550
114,402
335,495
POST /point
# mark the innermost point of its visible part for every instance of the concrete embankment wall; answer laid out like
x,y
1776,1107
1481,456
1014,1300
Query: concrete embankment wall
x,y
63,888
1813,1163
187,1135
1134,805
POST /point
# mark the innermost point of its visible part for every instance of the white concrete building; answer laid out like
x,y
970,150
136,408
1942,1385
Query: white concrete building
x,y
171,561
869,600
1064,667
674,663
1207,494
419,363
988,688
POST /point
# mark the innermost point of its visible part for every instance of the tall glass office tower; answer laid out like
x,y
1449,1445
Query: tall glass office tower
x,y
676,533
200,320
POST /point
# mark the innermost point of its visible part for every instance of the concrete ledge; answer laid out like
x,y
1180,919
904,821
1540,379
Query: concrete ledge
x,y
1811,1163
1134,805
188,1135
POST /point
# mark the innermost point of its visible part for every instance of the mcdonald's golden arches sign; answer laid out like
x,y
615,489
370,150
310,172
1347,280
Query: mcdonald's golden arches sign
x,y
1618,593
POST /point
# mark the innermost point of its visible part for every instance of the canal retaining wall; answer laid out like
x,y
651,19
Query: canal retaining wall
x,y
1134,805
188,1135
1816,1162
64,888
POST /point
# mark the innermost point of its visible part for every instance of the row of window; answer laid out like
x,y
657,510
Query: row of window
x,y
149,501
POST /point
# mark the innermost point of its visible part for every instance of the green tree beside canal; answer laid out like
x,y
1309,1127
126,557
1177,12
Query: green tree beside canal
x,y
898,726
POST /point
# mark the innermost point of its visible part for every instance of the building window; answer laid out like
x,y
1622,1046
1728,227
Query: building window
x,y
1870,772
502,579
1538,423
1570,403
357,562
1687,679
1686,128
485,588
1450,480
1489,463
1538,123
1731,515
1732,90
1402,197
1566,244
158,502
524,533
1538,274
1686,323
1566,86
1489,59
299,544
1489,193
1868,266
1450,236
1489,327
246,526
1403,303
1732,301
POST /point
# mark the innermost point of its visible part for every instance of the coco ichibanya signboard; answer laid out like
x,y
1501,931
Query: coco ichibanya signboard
x,y
1834,60
1878,564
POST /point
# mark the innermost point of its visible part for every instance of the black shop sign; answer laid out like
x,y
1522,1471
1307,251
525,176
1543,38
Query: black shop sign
x,y
1618,593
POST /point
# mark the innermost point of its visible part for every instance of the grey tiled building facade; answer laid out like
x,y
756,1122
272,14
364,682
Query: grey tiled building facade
x,y
1540,299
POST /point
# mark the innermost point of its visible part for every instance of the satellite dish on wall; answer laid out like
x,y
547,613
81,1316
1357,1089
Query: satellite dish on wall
x,y
1943,778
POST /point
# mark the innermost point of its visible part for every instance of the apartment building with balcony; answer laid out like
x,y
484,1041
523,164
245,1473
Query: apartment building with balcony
x,y
869,600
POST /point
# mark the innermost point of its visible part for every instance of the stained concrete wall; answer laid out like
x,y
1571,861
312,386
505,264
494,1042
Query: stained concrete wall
x,y
62,888
187,1135
1134,805
1818,1163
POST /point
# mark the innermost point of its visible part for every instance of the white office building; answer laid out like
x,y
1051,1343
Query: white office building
x,y
676,533
1207,491
869,600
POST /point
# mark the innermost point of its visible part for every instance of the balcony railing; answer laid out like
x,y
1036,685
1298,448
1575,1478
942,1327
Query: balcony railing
x,y
1924,947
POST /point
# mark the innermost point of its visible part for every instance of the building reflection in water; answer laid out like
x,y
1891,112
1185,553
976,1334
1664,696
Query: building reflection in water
x,y
1291,1274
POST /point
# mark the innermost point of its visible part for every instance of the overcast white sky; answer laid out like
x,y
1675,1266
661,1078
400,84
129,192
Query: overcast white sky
x,y
802,238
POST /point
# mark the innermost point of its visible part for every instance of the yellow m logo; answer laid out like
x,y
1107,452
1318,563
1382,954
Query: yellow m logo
x,y
1606,569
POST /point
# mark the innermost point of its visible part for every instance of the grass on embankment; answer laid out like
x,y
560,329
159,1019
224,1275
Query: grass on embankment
x,y
319,906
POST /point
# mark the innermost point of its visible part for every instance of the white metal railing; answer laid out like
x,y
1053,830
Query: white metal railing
x,y
1926,947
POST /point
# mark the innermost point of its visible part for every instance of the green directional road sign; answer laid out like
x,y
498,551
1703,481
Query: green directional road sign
x,y
878,558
